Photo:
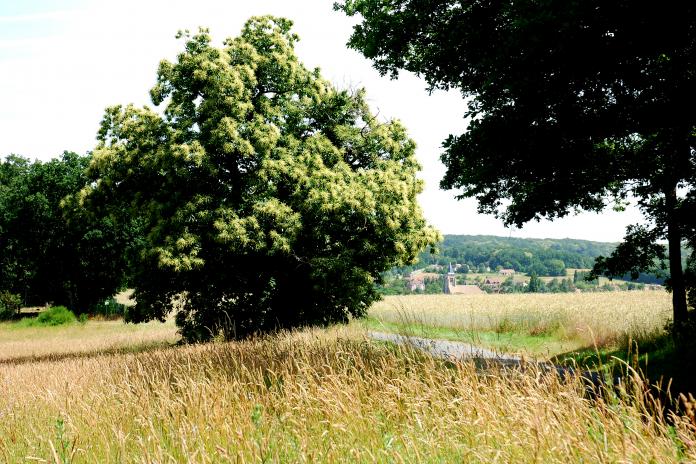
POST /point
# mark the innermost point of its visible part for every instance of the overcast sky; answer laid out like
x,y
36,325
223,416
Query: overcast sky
x,y
63,62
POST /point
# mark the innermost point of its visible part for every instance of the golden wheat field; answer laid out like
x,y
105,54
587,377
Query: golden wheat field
x,y
570,320
329,395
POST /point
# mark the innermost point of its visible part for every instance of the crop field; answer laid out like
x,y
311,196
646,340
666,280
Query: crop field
x,y
539,325
38,343
312,396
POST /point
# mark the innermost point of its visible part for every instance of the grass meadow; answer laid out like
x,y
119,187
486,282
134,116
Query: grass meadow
x,y
20,343
112,393
536,325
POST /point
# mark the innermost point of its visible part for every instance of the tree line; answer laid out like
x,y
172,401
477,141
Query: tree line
x,y
53,250
543,257
581,281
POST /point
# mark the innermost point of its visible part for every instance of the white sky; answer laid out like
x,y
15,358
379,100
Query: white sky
x,y
63,62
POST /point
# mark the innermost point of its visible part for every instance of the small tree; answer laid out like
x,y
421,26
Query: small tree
x,y
567,285
535,283
270,199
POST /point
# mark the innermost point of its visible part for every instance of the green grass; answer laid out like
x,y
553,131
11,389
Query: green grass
x,y
535,325
653,354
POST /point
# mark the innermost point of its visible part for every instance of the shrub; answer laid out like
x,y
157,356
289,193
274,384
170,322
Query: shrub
x,y
57,315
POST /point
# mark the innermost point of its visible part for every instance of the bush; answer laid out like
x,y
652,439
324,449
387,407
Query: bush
x,y
57,315
9,305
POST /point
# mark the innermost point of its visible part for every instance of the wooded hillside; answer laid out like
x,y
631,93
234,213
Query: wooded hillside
x,y
543,256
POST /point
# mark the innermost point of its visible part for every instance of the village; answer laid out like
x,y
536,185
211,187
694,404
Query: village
x,y
452,280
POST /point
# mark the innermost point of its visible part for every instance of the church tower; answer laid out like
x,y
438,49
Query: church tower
x,y
450,280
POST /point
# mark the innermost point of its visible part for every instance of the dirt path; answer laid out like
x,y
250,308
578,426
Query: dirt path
x,y
486,358
446,348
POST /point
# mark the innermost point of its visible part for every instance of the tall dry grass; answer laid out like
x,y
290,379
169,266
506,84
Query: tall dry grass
x,y
315,396
586,318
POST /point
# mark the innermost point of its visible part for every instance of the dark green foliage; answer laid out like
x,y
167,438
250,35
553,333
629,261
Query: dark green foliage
x,y
534,284
9,305
392,286
269,198
573,105
396,286
52,250
109,309
434,286
638,253
690,278
5,313
509,285
526,255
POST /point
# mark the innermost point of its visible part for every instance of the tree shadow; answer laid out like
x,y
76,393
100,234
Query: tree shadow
x,y
668,370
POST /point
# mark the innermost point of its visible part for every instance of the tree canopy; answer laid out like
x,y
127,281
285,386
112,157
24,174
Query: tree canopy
x,y
573,105
52,251
270,199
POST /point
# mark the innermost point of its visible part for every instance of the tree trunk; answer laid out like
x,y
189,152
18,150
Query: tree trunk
x,y
674,239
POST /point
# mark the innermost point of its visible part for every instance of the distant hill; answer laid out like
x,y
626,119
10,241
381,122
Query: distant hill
x,y
545,257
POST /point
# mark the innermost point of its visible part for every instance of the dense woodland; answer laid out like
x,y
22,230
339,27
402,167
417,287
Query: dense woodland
x,y
541,256
52,249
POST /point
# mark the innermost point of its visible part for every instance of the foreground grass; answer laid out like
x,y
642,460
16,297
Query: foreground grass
x,y
316,396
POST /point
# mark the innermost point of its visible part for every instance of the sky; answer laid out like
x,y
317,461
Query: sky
x,y
63,62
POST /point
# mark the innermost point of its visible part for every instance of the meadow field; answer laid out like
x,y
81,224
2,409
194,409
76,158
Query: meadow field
x,y
536,325
19,343
110,392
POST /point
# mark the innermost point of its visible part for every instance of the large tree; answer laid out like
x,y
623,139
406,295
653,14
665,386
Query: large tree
x,y
270,199
53,251
573,105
